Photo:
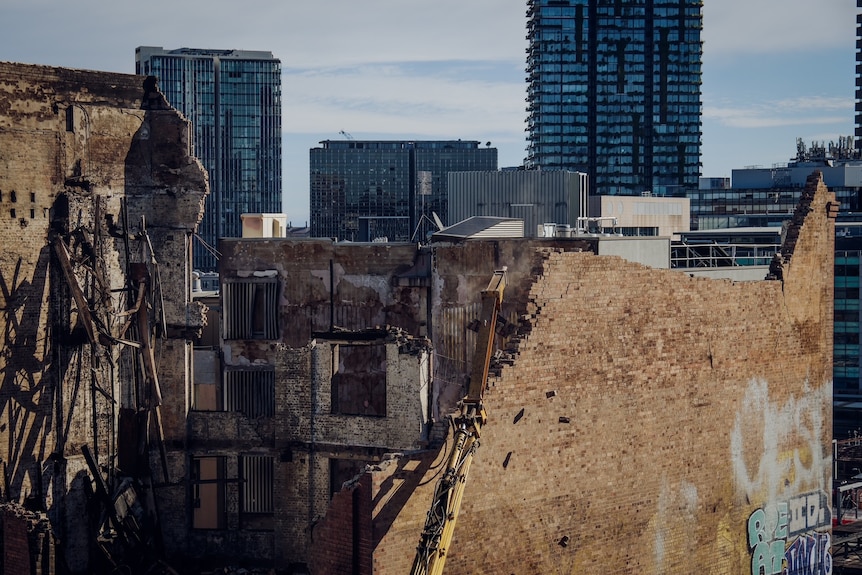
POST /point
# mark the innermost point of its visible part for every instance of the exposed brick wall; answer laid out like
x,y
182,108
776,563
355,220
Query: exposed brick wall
x,y
16,547
647,420
26,541
346,533
93,159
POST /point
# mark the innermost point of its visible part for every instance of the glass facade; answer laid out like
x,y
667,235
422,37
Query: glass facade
x,y
614,91
847,391
233,100
366,190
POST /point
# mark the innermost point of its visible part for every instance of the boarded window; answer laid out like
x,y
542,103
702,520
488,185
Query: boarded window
x,y
207,391
208,492
250,309
256,485
359,379
250,391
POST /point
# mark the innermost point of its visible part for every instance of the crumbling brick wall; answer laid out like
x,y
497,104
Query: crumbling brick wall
x,y
96,174
346,539
26,541
651,422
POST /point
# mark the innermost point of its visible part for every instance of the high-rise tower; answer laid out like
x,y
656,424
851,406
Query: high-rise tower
x,y
859,74
614,91
233,100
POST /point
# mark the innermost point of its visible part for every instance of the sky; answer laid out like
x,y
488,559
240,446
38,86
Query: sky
x,y
773,70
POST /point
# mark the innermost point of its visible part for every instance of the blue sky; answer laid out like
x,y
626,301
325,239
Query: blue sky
x,y
774,70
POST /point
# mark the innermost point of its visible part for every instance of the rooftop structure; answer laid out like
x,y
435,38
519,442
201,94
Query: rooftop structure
x,y
537,197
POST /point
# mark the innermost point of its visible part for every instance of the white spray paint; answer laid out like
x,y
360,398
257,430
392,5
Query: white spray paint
x,y
788,431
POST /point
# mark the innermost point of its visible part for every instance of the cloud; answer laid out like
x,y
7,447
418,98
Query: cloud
x,y
745,27
308,35
798,111
390,98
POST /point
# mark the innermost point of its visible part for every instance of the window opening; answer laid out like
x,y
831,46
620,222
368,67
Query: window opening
x,y
256,486
207,388
359,379
250,391
208,492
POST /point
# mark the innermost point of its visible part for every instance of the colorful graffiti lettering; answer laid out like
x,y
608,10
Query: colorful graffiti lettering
x,y
783,540
809,555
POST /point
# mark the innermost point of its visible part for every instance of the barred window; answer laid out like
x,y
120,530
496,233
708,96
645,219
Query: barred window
x,y
250,391
256,485
250,308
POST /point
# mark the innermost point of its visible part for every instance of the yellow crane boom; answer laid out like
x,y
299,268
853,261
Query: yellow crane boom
x,y
440,521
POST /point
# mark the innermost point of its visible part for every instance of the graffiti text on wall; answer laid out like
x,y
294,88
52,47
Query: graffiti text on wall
x,y
783,540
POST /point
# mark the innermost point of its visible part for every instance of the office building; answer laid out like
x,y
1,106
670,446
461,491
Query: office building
x,y
233,100
858,132
367,190
767,195
847,399
614,90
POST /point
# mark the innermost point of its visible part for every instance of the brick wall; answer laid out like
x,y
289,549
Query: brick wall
x,y
16,547
26,542
651,423
93,160
346,534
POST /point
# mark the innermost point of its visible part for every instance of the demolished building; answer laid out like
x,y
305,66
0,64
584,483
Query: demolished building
x,y
688,417
101,195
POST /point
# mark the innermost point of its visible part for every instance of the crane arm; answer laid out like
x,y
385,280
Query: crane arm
x,y
440,521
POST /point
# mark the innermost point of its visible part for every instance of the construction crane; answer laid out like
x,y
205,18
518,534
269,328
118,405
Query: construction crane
x,y
440,521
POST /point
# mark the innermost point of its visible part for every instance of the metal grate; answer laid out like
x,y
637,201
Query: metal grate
x,y
250,391
257,485
250,309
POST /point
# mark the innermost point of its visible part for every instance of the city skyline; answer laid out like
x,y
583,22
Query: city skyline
x,y
395,70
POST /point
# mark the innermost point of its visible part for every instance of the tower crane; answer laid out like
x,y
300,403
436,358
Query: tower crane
x,y
440,521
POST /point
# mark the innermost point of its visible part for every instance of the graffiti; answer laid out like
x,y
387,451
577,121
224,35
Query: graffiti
x,y
777,448
783,540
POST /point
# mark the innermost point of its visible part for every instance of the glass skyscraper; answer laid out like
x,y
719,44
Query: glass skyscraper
x,y
233,100
614,91
365,190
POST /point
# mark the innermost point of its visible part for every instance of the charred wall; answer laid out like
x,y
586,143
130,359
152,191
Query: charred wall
x,y
368,337
96,179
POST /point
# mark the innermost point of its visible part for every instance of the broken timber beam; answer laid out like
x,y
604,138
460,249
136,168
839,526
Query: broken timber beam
x,y
83,308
